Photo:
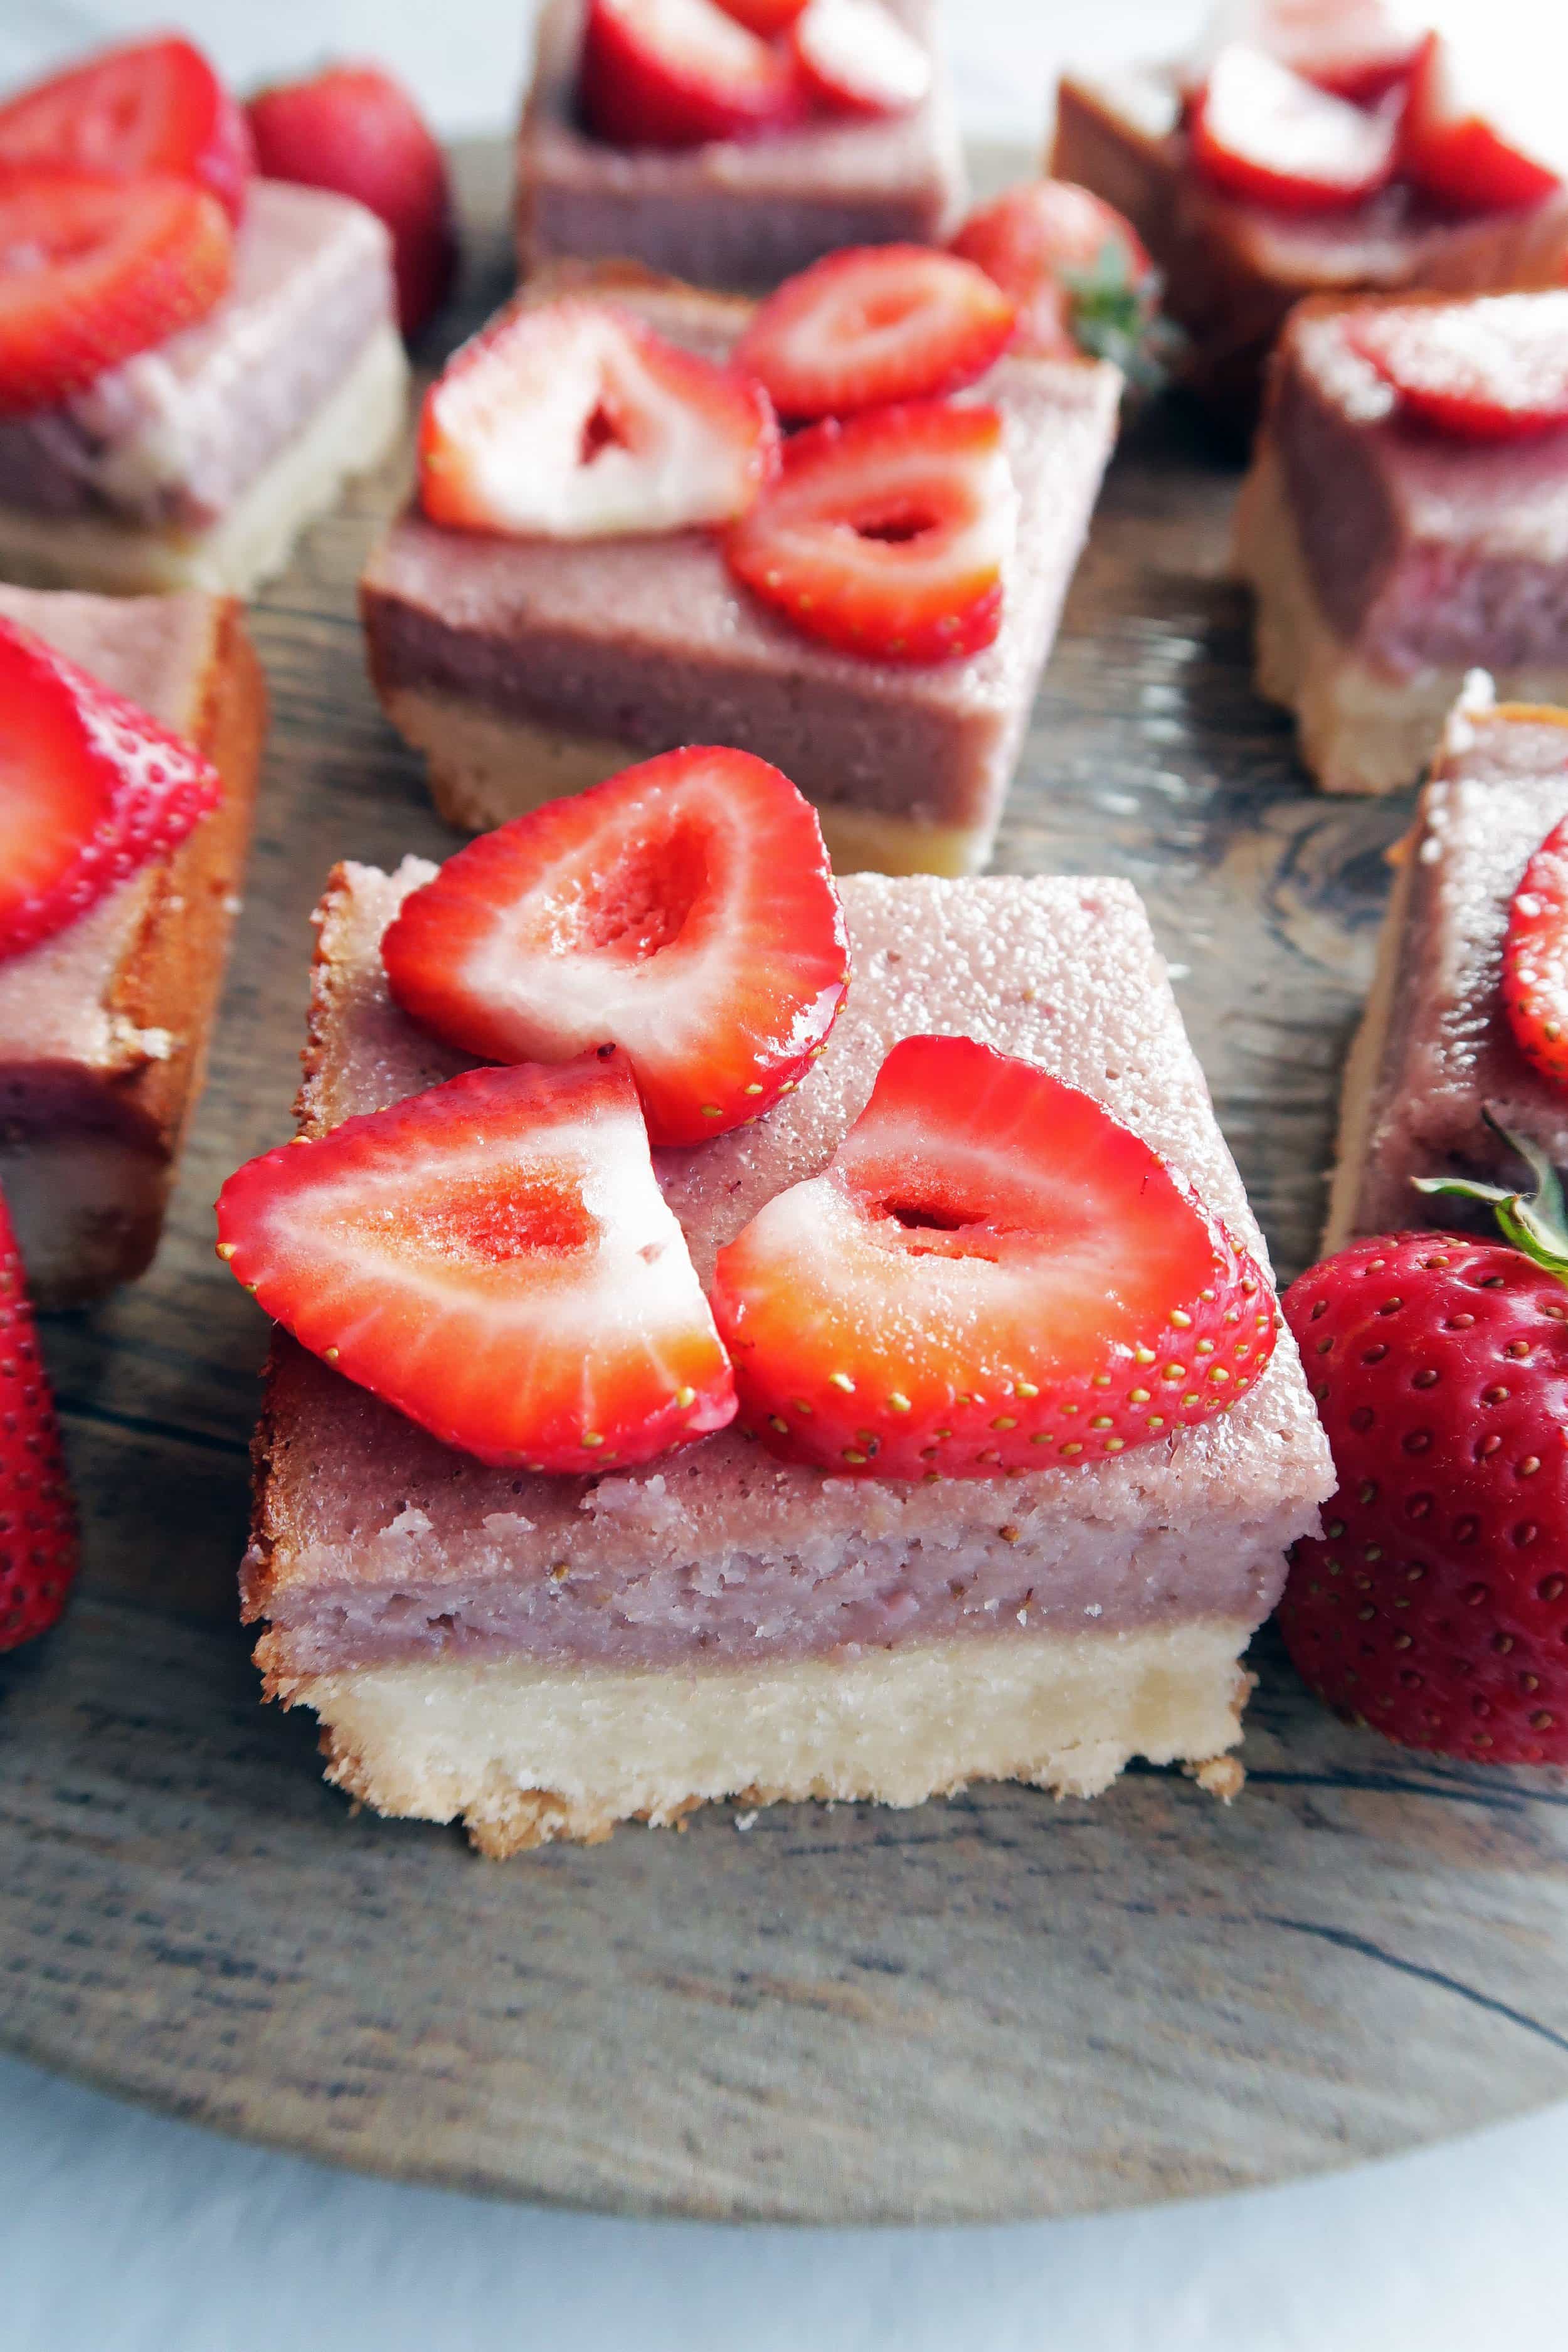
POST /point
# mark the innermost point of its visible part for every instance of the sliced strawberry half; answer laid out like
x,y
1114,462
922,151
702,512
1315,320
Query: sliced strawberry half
x,y
991,1273
1492,369
888,535
1261,132
684,911
766,18
1077,272
151,106
573,420
1535,959
854,58
678,73
495,1258
1482,132
90,787
354,130
93,271
1359,49
872,325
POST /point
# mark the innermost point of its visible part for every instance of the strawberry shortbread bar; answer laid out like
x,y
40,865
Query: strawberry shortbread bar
x,y
1462,1043
609,556
1405,517
198,359
133,733
987,1444
733,142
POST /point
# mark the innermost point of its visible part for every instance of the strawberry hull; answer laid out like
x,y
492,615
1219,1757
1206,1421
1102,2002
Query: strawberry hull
x,y
1435,1048
731,214
525,665
719,1580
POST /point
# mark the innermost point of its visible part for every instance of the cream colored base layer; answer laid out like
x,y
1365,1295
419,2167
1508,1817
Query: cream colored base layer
x,y
1360,730
349,433
485,769
86,1213
525,1754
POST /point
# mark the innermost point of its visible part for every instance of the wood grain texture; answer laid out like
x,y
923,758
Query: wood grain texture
x,y
996,2007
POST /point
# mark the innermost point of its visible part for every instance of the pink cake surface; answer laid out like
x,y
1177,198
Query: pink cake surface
x,y
732,215
1233,269
653,642
177,433
1448,1051
1423,550
56,1018
376,1542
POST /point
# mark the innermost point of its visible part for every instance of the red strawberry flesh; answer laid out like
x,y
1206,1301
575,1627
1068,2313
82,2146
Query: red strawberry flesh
x,y
354,130
684,911
873,324
93,271
495,1258
90,787
573,420
1263,133
889,535
152,106
37,1523
679,73
1434,1603
990,1274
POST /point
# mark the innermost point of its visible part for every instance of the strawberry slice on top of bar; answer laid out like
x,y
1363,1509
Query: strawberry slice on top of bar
x,y
610,555
1018,1441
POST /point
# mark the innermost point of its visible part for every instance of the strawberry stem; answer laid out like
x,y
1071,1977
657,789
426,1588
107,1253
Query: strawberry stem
x,y
1111,316
1535,1222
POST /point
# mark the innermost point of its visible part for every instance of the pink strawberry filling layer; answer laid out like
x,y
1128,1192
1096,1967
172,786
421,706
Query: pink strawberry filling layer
x,y
374,1542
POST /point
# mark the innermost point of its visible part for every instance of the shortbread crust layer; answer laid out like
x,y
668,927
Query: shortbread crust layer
x,y
524,1755
352,431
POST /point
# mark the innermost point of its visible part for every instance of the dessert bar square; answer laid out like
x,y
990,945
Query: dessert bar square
x,y
1233,269
196,464
546,1656
525,668
736,214
1435,1049
1388,559
104,1025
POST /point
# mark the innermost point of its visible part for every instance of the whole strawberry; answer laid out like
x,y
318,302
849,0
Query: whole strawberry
x,y
354,130
37,1525
1436,1603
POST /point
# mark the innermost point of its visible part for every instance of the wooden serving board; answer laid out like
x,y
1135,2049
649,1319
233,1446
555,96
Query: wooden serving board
x,y
992,2007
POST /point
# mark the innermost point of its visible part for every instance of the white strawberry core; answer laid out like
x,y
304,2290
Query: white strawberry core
x,y
570,427
856,46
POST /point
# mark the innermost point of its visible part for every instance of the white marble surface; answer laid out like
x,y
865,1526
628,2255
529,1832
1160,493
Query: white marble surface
x,y
123,2232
